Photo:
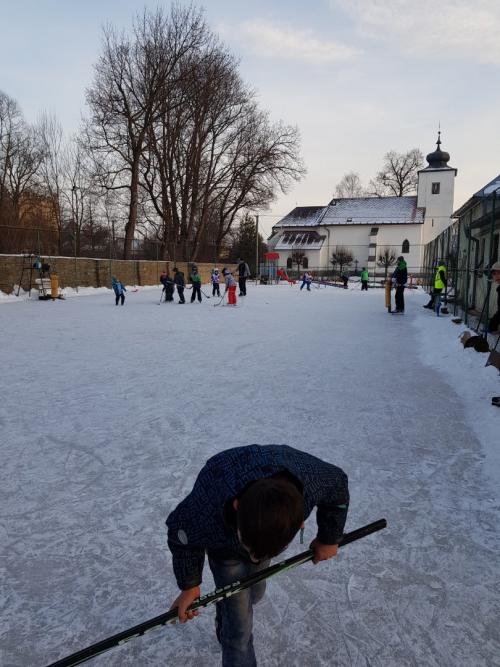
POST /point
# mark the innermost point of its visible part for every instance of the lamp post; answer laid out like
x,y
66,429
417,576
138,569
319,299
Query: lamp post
x,y
74,202
257,250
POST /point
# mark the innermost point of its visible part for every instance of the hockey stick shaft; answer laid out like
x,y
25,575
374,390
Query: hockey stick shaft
x,y
208,599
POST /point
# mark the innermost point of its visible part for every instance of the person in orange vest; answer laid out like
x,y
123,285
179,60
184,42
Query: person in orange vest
x,y
230,286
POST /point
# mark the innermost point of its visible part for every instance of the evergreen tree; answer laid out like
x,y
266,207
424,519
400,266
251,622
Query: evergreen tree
x,y
243,245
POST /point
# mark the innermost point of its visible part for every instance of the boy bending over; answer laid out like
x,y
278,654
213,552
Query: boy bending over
x,y
246,506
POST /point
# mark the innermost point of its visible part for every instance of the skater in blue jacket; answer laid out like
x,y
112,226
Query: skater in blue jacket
x,y
119,290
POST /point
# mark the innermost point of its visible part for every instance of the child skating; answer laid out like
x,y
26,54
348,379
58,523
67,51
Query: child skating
x,y
119,290
196,282
215,278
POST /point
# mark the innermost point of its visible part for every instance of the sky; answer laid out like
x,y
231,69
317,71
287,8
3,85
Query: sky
x,y
357,77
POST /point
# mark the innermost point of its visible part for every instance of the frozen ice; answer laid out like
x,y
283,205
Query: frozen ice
x,y
107,413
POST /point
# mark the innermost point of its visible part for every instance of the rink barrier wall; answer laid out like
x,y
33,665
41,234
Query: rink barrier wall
x,y
87,272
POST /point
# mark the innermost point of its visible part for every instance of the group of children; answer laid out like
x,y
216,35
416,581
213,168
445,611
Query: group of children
x,y
178,281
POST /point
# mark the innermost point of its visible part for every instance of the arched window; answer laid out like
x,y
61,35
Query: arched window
x,y
406,246
305,263
289,263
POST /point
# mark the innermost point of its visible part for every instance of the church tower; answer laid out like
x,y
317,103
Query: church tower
x,y
436,185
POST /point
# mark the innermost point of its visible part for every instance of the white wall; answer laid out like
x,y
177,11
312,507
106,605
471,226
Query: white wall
x,y
355,237
438,208
394,235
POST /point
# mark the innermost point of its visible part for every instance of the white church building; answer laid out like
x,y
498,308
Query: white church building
x,y
367,226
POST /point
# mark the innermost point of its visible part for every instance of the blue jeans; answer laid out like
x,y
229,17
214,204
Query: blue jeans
x,y
235,614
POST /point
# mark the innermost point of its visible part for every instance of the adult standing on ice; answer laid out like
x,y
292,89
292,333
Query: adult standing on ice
x,y
400,278
243,274
246,506
119,290
439,285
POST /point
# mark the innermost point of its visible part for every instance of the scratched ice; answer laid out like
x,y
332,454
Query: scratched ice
x,y
107,413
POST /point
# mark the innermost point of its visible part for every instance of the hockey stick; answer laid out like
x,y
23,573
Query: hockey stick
x,y
220,301
205,295
208,599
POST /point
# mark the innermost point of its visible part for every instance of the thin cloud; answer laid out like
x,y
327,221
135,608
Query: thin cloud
x,y
454,29
277,41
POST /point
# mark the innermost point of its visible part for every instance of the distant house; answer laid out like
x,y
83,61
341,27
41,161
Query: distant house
x,y
367,226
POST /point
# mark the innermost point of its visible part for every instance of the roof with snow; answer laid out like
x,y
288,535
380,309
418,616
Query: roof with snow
x,y
357,211
302,216
487,191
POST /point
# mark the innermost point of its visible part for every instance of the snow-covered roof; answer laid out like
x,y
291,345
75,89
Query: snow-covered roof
x,y
302,216
357,211
485,192
373,211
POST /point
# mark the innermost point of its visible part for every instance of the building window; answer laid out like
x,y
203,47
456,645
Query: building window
x,y
436,188
406,246
305,263
289,263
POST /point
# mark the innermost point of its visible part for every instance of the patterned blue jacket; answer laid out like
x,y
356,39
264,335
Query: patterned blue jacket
x,y
197,524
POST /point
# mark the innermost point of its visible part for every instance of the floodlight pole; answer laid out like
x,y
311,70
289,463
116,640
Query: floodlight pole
x,y
256,249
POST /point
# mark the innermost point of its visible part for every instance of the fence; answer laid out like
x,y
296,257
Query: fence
x,y
86,272
467,250
100,243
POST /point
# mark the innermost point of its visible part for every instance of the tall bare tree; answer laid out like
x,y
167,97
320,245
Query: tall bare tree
x,y
213,155
130,79
52,173
349,186
11,124
22,169
399,174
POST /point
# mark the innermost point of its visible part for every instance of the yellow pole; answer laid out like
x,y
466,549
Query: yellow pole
x,y
54,286
388,285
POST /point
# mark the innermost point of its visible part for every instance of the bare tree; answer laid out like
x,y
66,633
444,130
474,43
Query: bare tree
x,y
11,124
399,174
25,158
342,256
130,80
298,258
214,156
386,258
52,173
349,186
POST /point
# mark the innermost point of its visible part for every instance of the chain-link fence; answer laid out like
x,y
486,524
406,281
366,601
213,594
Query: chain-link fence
x,y
468,248
99,244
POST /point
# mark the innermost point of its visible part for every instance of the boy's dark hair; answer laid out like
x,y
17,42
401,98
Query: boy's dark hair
x,y
270,512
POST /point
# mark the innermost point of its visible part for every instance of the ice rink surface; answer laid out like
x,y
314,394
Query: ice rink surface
x,y
107,414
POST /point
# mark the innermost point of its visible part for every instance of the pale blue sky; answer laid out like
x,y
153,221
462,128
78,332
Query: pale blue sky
x,y
358,77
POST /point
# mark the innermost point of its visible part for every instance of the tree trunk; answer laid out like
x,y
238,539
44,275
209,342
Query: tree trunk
x,y
132,213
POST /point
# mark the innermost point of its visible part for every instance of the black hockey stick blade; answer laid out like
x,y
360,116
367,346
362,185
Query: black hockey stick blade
x,y
208,599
